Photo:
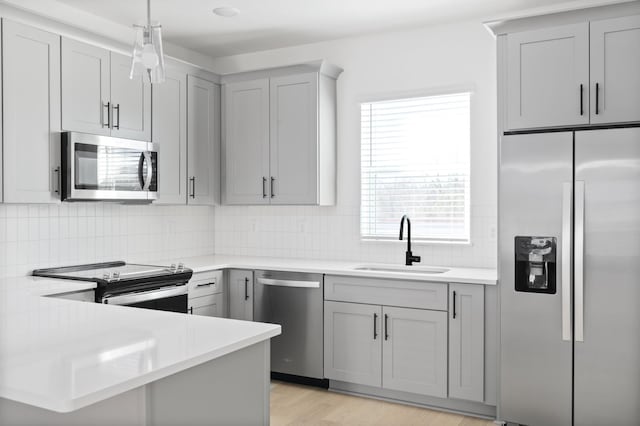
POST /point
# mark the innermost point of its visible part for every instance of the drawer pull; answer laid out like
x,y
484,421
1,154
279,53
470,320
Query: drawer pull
x,y
205,284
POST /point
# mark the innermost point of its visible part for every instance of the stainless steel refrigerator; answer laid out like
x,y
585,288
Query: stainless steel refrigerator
x,y
569,268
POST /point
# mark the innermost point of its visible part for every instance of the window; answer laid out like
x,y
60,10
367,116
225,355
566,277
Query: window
x,y
415,161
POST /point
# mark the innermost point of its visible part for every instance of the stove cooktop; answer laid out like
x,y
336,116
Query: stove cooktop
x,y
114,272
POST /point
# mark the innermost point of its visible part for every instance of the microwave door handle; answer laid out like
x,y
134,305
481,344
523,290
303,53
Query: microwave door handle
x,y
147,182
141,179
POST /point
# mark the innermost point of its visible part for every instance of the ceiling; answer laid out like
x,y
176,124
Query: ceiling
x,y
269,24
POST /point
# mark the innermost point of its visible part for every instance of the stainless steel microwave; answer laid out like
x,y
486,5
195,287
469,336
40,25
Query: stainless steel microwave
x,y
105,168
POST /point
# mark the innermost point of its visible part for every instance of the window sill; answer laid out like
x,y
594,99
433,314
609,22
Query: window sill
x,y
417,242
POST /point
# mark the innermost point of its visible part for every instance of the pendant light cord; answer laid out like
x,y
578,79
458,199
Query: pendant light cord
x,y
149,14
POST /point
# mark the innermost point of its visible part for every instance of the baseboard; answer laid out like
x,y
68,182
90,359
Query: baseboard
x,y
467,408
300,380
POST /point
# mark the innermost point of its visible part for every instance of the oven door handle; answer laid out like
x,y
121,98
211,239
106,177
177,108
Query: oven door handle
x,y
289,283
143,296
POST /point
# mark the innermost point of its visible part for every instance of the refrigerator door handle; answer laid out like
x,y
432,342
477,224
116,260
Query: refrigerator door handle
x,y
579,261
567,196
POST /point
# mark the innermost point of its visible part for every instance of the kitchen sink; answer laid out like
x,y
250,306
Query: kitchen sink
x,y
401,269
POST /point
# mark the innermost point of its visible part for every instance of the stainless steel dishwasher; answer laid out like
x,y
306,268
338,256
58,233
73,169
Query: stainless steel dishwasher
x,y
295,301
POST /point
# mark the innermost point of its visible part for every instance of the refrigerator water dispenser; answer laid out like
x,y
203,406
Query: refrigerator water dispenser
x,y
535,264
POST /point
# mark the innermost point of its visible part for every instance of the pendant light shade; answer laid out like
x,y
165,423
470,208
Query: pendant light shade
x,y
148,58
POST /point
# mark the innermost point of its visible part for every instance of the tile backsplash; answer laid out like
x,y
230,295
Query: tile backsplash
x,y
34,236
334,233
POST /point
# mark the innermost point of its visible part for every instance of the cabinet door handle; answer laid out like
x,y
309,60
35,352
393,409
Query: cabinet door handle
x,y
108,107
597,98
375,326
246,288
193,186
386,327
264,187
272,192
117,109
56,171
191,310
581,99
454,304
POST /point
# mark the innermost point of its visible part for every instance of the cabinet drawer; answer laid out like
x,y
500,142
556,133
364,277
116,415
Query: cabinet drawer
x,y
205,283
410,294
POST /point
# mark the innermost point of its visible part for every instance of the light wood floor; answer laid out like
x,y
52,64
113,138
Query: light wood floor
x,y
302,405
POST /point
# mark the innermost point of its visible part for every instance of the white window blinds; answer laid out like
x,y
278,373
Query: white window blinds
x,y
415,161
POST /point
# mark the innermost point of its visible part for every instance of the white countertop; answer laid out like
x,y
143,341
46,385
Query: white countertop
x,y
333,267
63,355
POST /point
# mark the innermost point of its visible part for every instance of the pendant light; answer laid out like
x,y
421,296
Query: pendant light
x,y
147,59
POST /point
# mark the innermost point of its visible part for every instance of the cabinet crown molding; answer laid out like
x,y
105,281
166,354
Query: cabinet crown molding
x,y
320,66
562,14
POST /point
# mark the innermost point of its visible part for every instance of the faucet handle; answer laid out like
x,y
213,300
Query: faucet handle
x,y
411,259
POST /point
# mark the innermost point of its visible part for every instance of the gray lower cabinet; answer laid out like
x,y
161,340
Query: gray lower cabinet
x,y
400,349
241,294
210,306
414,351
466,342
353,343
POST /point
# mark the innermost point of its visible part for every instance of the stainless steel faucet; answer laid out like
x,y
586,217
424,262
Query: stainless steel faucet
x,y
410,258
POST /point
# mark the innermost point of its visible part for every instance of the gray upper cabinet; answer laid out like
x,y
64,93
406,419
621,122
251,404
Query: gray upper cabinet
x,y
573,75
31,84
203,141
86,96
414,351
130,100
169,131
97,95
246,151
241,294
466,342
279,141
615,70
548,77
293,142
353,343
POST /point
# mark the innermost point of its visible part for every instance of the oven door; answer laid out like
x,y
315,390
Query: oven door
x,y
106,168
172,298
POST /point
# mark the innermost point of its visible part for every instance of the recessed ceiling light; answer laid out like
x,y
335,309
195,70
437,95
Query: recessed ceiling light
x,y
227,12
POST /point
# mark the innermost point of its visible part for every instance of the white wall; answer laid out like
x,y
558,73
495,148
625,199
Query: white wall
x,y
36,236
452,56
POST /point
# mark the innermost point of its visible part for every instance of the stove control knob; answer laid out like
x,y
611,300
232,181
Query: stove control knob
x,y
106,276
181,267
116,275
172,268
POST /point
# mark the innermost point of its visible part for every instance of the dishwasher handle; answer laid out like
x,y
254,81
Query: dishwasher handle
x,y
288,283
